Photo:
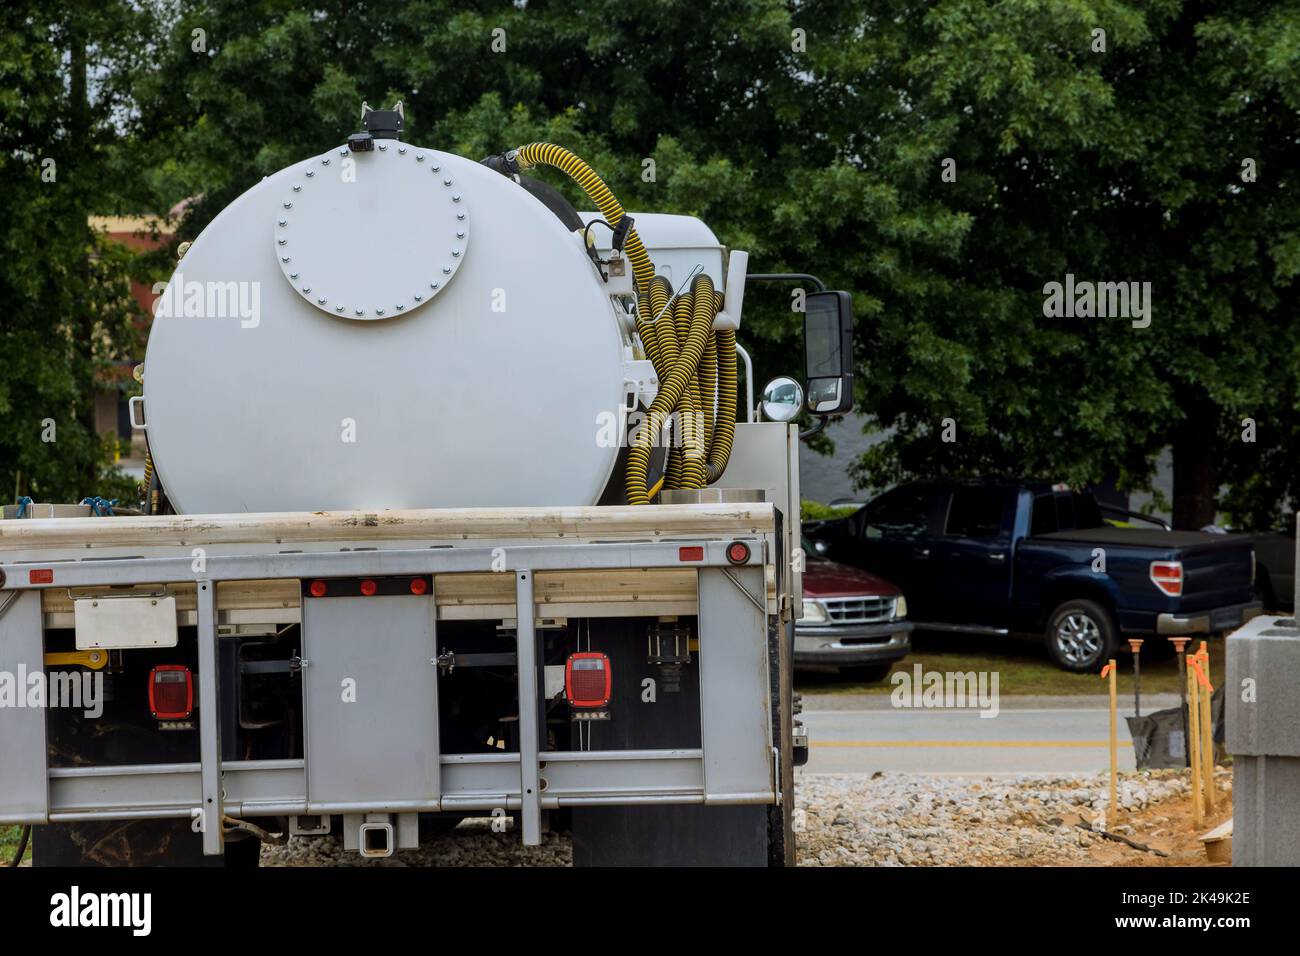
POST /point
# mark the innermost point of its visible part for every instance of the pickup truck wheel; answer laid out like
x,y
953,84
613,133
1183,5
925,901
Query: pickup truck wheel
x,y
1081,636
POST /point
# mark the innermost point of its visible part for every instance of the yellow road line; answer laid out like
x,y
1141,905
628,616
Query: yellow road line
x,y
967,743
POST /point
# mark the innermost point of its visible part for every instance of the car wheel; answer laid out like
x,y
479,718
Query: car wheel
x,y
867,673
1081,636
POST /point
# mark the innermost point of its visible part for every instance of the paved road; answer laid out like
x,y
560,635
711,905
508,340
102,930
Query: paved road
x,y
1028,735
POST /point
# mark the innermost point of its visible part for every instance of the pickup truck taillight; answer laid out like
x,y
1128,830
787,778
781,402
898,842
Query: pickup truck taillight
x,y
1168,577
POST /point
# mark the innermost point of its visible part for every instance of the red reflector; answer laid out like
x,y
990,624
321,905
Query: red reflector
x,y
690,554
171,692
587,679
369,587
419,586
318,589
1168,577
737,552
40,576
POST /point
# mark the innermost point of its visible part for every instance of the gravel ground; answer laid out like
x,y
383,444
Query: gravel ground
x,y
846,820
471,844
926,820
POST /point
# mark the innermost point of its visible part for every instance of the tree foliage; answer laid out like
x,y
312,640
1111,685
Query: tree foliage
x,y
816,135
65,306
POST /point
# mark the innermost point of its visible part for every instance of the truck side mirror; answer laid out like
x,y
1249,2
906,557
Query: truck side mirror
x,y
828,352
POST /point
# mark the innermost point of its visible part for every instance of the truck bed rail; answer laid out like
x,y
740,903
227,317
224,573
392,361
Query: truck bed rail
x,y
615,521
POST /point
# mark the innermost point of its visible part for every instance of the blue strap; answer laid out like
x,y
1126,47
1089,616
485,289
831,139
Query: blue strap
x,y
23,504
100,507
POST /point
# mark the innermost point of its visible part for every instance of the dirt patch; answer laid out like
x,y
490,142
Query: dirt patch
x,y
1166,825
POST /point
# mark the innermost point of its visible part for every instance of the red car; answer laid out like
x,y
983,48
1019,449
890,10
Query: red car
x,y
852,620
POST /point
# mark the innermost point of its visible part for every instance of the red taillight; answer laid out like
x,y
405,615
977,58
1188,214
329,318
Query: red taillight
x,y
40,576
587,679
737,552
1168,577
690,554
419,586
369,587
171,692
318,588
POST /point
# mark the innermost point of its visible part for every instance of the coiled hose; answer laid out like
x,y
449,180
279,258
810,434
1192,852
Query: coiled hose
x,y
696,365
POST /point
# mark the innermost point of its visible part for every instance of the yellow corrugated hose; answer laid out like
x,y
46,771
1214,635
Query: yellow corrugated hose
x,y
696,366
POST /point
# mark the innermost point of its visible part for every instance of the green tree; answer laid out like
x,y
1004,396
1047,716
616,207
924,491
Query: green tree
x,y
1117,165
65,294
817,136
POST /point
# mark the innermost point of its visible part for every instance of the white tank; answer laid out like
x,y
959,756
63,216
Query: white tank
x,y
406,328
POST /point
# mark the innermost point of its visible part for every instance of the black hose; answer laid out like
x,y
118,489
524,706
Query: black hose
x,y
22,845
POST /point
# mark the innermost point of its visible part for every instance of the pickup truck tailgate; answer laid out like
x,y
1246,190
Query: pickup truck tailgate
x,y
1217,569
1216,573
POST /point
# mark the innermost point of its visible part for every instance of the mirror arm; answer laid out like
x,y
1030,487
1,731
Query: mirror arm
x,y
818,428
818,284
749,382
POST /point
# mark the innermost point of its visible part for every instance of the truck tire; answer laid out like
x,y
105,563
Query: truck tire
x,y
1081,636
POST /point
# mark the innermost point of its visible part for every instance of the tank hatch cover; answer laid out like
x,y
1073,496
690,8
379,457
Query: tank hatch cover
x,y
371,235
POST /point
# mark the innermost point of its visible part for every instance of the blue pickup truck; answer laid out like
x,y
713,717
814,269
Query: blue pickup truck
x,y
995,557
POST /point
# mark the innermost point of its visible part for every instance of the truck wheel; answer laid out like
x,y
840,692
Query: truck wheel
x,y
1081,636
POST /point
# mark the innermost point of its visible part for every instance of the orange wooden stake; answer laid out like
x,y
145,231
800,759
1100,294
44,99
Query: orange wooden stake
x,y
1194,741
1206,691
1112,817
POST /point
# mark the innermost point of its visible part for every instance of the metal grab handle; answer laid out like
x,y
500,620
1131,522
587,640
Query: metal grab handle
x,y
134,402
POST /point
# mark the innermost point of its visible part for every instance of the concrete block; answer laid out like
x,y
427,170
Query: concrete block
x,y
1266,811
1262,695
1266,652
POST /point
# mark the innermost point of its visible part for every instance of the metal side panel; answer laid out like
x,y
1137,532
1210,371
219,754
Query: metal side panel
x,y
735,694
24,784
766,455
371,700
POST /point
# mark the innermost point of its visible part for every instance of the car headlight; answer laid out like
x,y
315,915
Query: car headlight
x,y
900,607
814,612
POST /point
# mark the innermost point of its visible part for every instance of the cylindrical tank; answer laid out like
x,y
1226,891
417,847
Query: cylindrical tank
x,y
399,328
